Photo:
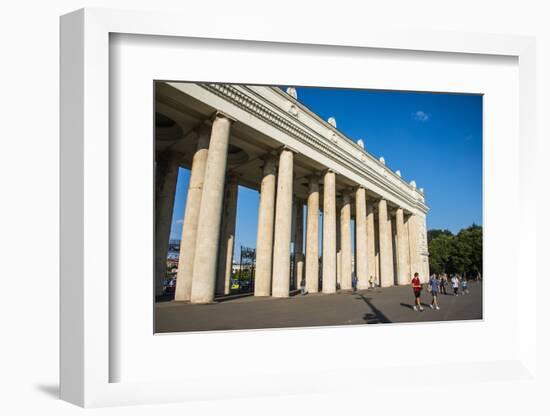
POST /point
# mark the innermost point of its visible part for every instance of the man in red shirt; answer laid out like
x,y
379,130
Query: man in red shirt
x,y
417,288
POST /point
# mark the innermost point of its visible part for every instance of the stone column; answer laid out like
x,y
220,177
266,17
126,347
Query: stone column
x,y
361,246
167,177
338,249
402,248
414,246
371,243
329,233
191,217
424,247
386,252
208,232
418,243
283,226
312,236
266,217
227,240
292,277
298,244
345,227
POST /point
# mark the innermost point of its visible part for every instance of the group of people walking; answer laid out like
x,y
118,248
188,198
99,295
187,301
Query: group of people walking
x,y
437,284
354,281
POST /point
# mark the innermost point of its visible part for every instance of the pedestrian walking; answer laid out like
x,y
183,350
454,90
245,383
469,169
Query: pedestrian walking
x,y
303,289
371,283
455,281
354,282
434,286
443,284
464,284
417,288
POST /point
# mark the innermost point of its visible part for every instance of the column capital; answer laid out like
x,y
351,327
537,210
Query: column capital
x,y
269,163
221,114
376,200
346,196
286,147
328,170
272,155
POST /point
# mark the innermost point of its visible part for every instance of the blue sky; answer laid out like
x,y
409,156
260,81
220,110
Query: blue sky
x,y
433,138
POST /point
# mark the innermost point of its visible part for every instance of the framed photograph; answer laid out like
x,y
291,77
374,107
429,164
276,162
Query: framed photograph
x,y
310,211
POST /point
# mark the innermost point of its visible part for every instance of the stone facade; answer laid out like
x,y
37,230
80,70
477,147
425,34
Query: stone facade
x,y
265,139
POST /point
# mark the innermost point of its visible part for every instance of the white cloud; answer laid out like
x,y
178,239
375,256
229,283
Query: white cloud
x,y
421,115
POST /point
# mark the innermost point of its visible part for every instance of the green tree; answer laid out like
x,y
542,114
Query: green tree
x,y
473,238
461,253
436,233
440,249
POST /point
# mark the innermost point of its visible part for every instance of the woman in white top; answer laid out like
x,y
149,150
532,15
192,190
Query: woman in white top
x,y
455,282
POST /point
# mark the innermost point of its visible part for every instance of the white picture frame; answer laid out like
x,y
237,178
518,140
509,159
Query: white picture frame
x,y
85,211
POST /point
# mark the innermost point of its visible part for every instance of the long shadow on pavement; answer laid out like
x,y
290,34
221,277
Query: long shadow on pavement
x,y
377,316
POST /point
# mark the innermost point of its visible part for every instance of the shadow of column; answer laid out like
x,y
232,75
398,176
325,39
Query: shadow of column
x,y
376,317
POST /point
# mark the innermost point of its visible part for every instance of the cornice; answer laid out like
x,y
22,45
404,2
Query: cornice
x,y
288,122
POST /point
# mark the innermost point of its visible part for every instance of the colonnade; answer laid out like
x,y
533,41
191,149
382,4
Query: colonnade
x,y
387,247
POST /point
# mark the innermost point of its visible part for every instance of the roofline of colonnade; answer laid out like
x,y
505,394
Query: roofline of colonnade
x,y
311,132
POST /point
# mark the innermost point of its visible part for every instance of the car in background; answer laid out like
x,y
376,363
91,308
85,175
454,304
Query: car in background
x,y
169,286
245,286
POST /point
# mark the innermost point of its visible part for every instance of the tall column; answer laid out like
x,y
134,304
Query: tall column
x,y
283,226
386,252
292,277
299,244
424,248
312,236
414,245
371,243
345,227
167,176
418,243
338,249
208,232
361,246
329,233
191,217
227,240
266,217
403,271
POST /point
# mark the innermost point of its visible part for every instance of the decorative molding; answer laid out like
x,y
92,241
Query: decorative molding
x,y
292,92
329,148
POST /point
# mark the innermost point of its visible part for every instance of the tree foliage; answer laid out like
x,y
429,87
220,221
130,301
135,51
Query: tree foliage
x,y
461,253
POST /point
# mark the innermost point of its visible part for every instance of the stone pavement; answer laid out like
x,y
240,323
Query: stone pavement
x,y
387,305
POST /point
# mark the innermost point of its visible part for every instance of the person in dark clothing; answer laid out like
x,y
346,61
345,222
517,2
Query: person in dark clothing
x,y
354,282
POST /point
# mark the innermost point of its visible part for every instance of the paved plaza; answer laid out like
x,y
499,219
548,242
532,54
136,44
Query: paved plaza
x,y
387,305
